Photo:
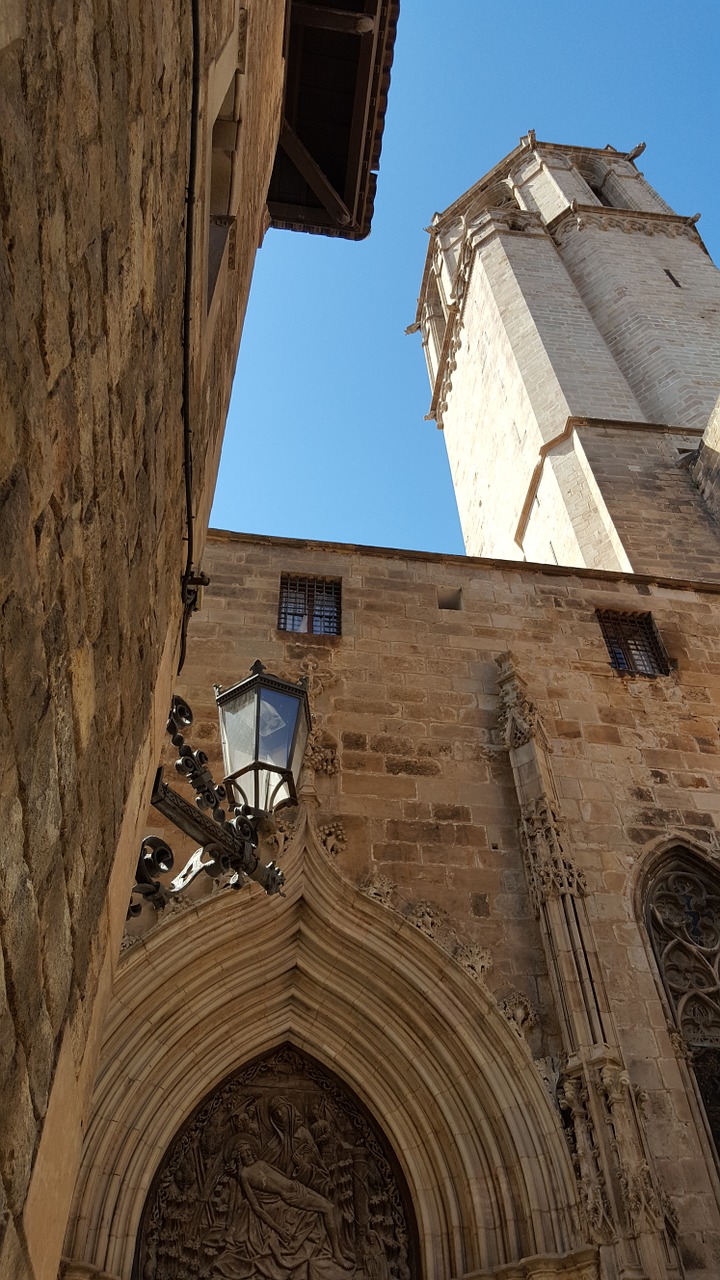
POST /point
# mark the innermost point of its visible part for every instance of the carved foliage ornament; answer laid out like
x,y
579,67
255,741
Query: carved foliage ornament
x,y
519,720
550,871
629,223
280,1175
582,1138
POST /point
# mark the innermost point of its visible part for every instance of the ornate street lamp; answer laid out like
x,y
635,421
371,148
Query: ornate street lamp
x,y
264,726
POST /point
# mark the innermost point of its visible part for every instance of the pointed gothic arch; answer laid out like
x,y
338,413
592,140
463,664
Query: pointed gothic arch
x,y
681,911
365,994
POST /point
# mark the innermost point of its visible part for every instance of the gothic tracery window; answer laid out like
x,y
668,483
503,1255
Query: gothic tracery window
x,y
683,920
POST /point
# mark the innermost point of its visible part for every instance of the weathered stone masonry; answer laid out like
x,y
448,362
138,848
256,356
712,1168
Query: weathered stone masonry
x,y
95,104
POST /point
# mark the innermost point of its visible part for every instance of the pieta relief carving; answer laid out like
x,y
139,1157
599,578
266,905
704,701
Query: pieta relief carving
x,y
683,919
279,1175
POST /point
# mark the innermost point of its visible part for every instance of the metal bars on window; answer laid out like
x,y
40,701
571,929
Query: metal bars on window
x,y
633,643
310,605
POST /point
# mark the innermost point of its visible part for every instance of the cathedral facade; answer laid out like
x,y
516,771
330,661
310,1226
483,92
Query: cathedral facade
x,y
479,1035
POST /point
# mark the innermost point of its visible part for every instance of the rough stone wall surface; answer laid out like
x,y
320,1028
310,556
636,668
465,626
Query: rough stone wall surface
x,y
95,104
661,519
407,698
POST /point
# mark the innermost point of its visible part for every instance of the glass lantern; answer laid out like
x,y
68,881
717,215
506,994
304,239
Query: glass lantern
x,y
264,725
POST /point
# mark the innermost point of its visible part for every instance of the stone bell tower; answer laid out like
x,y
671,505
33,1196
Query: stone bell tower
x,y
570,321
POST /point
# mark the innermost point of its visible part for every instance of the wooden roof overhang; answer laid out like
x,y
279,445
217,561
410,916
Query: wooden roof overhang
x,y
338,59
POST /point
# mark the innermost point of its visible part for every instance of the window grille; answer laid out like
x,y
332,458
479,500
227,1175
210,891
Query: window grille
x,y
633,643
683,921
310,605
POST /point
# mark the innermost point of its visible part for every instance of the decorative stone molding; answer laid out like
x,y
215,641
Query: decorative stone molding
x,y
317,678
573,1097
519,720
321,753
71,1270
429,919
577,216
582,1264
550,871
451,342
640,1198
519,1011
379,888
280,829
332,838
435,923
475,960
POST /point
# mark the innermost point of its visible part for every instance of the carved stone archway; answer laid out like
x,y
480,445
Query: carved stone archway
x,y
364,993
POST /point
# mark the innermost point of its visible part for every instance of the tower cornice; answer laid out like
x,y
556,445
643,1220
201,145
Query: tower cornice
x,y
628,220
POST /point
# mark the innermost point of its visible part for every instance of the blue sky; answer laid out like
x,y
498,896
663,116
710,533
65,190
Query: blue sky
x,y
329,396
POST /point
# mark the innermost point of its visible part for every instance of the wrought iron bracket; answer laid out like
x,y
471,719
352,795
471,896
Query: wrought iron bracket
x,y
227,846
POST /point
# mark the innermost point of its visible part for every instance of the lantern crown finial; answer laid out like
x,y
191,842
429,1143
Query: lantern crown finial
x,y
258,667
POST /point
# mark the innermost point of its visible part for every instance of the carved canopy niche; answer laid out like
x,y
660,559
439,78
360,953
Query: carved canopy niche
x,y
280,1174
683,920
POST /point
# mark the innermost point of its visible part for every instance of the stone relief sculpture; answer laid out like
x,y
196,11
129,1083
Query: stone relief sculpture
x,y
278,1176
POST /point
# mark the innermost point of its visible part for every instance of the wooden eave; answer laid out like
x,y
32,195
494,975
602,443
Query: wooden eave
x,y
338,59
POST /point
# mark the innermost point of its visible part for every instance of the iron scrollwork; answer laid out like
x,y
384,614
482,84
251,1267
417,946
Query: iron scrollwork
x,y
227,845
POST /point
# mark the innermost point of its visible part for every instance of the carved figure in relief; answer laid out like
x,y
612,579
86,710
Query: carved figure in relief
x,y
277,1177
279,1228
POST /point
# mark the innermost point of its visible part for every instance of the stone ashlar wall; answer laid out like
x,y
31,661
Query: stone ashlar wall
x,y
95,103
408,700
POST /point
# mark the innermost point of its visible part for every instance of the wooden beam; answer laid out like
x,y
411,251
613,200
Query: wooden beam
x,y
314,15
313,174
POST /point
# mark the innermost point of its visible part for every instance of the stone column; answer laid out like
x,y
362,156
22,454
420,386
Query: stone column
x,y
625,1209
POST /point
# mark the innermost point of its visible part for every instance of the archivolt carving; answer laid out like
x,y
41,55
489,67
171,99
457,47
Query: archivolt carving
x,y
278,1174
356,985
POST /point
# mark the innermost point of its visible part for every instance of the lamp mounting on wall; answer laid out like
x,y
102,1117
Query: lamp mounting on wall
x,y
264,727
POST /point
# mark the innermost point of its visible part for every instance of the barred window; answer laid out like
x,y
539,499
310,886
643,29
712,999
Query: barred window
x,y
310,605
633,643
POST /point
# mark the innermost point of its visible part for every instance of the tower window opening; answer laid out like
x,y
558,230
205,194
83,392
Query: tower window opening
x,y
633,643
600,195
310,606
674,279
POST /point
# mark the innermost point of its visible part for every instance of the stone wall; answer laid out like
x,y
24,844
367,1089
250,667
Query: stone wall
x,y
407,707
95,100
706,468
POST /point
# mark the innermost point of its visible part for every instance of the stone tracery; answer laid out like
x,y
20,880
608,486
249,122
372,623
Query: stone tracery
x,y
683,921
